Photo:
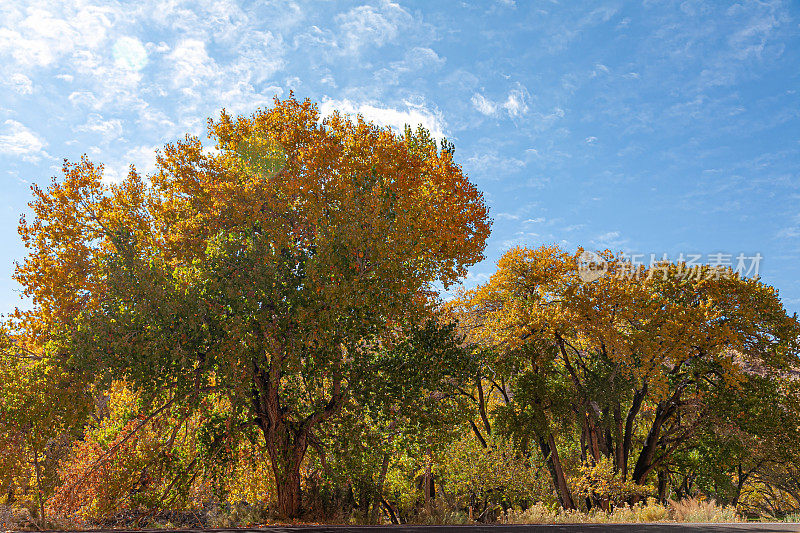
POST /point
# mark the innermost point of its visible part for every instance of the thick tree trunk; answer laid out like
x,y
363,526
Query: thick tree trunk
x,y
289,496
286,455
548,448
647,461
286,443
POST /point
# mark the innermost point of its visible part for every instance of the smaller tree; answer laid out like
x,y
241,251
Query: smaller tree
x,y
41,403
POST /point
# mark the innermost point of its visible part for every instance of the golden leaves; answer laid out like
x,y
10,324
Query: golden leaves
x,y
649,327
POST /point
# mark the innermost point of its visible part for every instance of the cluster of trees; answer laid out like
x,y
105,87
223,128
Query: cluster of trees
x,y
259,322
652,382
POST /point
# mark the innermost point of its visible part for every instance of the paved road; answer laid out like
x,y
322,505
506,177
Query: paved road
x,y
559,528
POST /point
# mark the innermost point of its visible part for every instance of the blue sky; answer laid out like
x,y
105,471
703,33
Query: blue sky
x,y
648,127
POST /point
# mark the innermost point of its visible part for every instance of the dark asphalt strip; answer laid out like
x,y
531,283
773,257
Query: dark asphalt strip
x,y
533,528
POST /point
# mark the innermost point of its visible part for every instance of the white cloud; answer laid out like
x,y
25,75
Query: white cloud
x,y
561,35
574,227
422,58
258,58
591,140
494,165
476,278
17,140
418,60
521,238
37,37
84,98
143,158
365,25
413,114
94,48
107,129
328,79
790,232
484,105
21,83
612,240
515,105
191,64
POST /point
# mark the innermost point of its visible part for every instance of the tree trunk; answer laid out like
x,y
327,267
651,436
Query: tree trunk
x,y
636,405
662,486
392,515
549,451
289,496
286,442
38,470
478,434
741,478
619,446
378,496
645,463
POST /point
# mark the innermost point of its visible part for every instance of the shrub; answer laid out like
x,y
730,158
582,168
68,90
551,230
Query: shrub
x,y
695,510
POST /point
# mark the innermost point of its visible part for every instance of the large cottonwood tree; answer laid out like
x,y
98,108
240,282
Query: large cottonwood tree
x,y
266,267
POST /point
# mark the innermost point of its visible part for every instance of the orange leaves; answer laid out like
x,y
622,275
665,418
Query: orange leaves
x,y
78,221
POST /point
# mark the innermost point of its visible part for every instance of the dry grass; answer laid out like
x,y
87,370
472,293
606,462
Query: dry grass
x,y
690,510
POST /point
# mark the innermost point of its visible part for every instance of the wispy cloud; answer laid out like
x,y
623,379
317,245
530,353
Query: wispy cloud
x,y
19,141
366,25
514,106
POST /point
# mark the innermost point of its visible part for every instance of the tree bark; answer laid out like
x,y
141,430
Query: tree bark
x,y
392,514
286,442
662,486
619,448
646,461
378,496
289,496
636,405
478,434
549,451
